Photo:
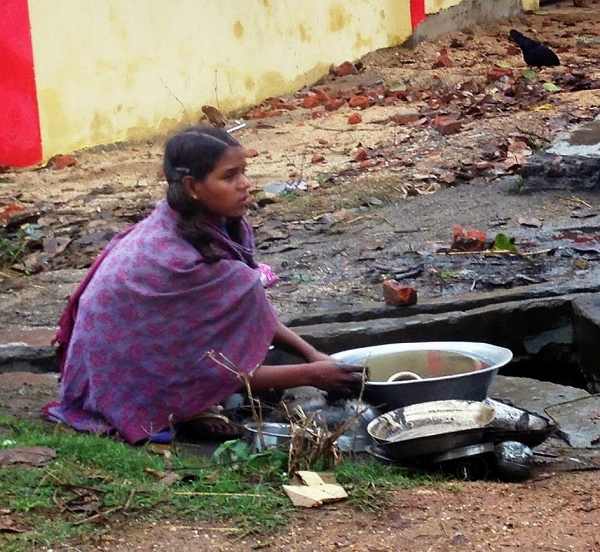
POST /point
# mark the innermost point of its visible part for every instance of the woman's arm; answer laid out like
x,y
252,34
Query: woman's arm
x,y
325,374
292,340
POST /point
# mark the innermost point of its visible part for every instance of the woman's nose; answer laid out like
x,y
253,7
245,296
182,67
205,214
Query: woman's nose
x,y
245,183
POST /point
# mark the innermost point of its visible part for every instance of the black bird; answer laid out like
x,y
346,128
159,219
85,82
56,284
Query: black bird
x,y
535,53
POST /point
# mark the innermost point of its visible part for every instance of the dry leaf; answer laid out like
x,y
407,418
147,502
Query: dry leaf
x,y
531,222
28,456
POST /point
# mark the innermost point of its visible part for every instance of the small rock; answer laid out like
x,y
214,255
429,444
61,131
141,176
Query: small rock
x,y
359,102
367,163
394,293
405,117
334,104
468,240
361,154
446,125
317,158
265,198
459,539
530,222
443,59
60,162
496,73
344,69
251,152
323,142
311,101
354,119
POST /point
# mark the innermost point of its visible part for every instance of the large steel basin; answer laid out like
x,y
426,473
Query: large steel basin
x,y
449,370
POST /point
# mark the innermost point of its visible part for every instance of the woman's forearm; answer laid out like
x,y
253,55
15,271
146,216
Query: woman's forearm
x,y
281,377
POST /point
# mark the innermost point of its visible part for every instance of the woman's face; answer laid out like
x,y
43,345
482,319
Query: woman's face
x,y
226,190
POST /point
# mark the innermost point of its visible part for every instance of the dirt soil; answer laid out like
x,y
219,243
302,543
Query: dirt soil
x,y
547,514
356,212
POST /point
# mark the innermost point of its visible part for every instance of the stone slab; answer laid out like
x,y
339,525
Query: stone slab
x,y
572,162
586,326
575,411
533,395
24,349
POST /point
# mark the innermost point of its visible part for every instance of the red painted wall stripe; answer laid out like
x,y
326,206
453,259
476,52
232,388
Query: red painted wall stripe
x,y
20,142
417,12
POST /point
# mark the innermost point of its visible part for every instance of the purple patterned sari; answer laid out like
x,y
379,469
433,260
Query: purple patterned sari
x,y
135,333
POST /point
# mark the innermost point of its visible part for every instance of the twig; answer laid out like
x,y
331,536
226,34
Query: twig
x,y
200,493
581,201
329,129
226,363
129,499
98,515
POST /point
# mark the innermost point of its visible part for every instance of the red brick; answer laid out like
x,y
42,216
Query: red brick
x,y
405,118
344,69
354,119
60,162
311,101
496,73
443,60
446,125
361,154
468,240
360,102
396,294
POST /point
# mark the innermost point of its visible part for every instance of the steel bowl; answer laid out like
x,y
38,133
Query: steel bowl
x,y
430,428
444,375
273,435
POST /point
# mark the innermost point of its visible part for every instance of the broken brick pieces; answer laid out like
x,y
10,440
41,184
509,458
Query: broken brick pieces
x,y
354,119
395,294
496,73
59,162
361,154
311,101
443,60
344,69
446,125
468,240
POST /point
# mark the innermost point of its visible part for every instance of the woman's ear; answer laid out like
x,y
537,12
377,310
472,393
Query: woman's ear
x,y
189,185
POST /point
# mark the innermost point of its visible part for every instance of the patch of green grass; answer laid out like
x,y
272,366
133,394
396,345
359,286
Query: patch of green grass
x,y
91,475
12,248
368,483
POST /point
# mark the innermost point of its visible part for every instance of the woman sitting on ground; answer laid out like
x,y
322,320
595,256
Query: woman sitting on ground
x,y
150,337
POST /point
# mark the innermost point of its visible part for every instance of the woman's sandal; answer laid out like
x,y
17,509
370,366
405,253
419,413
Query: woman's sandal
x,y
212,424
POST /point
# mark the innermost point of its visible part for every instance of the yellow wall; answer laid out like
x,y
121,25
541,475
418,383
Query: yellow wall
x,y
531,4
109,70
434,6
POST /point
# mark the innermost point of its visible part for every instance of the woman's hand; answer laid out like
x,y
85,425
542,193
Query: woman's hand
x,y
331,375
